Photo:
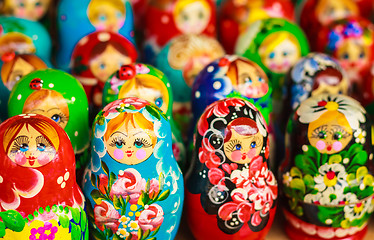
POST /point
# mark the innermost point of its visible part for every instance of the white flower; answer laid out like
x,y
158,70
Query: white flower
x,y
360,136
287,178
122,233
356,211
313,198
331,176
133,225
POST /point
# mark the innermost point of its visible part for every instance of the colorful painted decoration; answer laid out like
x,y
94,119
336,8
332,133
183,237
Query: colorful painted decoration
x,y
186,56
148,83
96,57
60,97
28,9
13,68
236,17
39,197
351,42
24,37
133,184
327,178
167,19
113,16
231,193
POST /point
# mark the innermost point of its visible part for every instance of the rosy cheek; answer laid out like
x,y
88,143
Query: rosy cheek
x,y
320,145
251,153
20,159
236,155
20,13
337,146
140,154
264,88
118,154
43,159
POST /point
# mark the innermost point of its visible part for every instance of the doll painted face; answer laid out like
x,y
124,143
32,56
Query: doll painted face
x,y
130,144
330,81
194,66
20,69
279,52
107,62
192,17
31,149
330,10
243,141
330,133
48,103
107,15
28,9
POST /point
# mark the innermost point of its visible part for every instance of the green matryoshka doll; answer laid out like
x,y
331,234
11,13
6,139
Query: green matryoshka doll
x,y
59,96
149,83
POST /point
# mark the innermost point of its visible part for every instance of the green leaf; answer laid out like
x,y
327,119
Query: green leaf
x,y
299,211
97,196
76,232
64,221
93,179
336,158
298,184
97,234
360,158
295,172
112,179
116,203
163,195
2,229
355,148
105,168
368,180
153,112
361,172
351,178
148,186
116,237
306,164
309,181
140,233
75,214
146,234
161,181
346,224
156,231
13,220
83,221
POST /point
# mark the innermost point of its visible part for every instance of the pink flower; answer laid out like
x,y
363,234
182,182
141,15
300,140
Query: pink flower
x,y
244,210
154,188
215,175
106,215
176,151
129,183
103,186
208,156
151,218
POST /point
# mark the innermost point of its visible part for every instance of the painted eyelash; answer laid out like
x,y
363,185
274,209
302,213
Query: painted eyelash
x,y
63,117
43,140
143,141
318,130
341,130
115,140
18,141
230,147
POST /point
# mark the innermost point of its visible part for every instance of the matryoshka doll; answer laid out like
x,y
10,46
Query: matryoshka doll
x,y
133,184
236,16
13,68
39,197
167,19
181,60
24,36
327,180
148,83
28,9
96,57
351,42
77,19
231,193
60,97
315,14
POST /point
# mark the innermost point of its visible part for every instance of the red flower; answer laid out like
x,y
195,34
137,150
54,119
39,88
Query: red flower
x,y
151,218
154,188
215,176
103,186
129,183
244,210
106,215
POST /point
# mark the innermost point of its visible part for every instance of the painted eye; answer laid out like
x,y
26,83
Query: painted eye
x,y
119,144
261,80
159,102
322,135
238,147
56,118
38,4
102,17
285,54
41,147
345,56
24,147
185,17
362,55
338,136
201,15
102,66
118,14
253,144
18,77
248,80
21,4
138,143
271,55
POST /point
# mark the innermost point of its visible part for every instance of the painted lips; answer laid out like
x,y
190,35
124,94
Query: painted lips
x,y
129,153
31,160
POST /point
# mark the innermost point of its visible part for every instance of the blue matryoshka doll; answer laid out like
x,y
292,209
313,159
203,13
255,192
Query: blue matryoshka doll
x,y
24,37
133,184
113,16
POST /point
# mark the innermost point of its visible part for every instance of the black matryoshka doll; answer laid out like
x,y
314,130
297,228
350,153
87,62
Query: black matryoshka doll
x,y
327,180
39,197
231,193
133,184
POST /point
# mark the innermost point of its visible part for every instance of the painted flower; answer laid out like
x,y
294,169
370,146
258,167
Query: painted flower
x,y
360,136
151,217
106,215
103,186
243,210
331,176
47,231
176,151
216,176
154,188
330,197
122,233
129,183
141,69
208,156
286,179
355,211
313,198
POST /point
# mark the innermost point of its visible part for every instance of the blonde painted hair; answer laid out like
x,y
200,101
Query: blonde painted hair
x,y
94,6
274,39
180,5
16,42
328,117
321,5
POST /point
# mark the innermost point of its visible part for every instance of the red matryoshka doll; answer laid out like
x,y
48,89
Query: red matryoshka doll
x,y
231,193
236,16
327,176
166,19
39,197
318,13
28,9
351,42
96,57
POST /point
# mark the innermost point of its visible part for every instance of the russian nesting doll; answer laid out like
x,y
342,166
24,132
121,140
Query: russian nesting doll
x,y
167,19
236,16
146,82
351,41
27,9
60,97
13,68
133,184
113,16
231,193
39,196
327,180
181,60
24,37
